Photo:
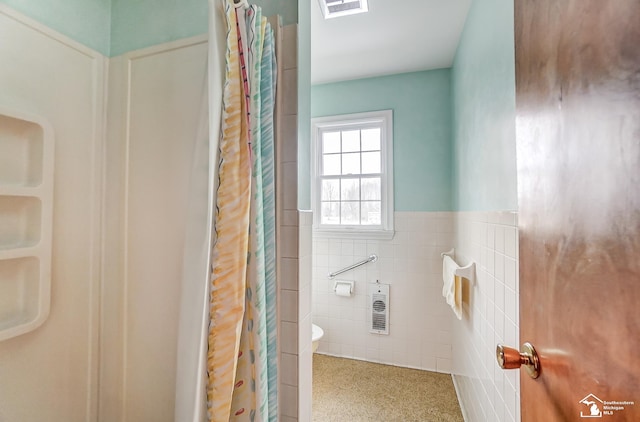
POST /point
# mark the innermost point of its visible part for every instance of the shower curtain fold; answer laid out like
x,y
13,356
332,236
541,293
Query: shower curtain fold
x,y
191,373
242,332
267,152
231,244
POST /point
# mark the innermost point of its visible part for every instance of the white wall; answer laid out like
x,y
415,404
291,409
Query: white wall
x,y
419,321
486,392
155,103
51,374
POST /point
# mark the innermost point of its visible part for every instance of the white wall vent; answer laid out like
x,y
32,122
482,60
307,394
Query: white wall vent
x,y
336,8
379,308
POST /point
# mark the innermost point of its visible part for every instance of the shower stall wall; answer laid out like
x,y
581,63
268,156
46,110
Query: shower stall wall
x,y
126,132
155,98
155,127
51,373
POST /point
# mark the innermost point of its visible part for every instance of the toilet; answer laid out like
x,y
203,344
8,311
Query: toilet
x,y
316,335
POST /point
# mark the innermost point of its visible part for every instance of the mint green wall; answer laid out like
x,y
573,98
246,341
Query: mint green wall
x,y
143,23
85,21
483,86
113,27
421,104
304,103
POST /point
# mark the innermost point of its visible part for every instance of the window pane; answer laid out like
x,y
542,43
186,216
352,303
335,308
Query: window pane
x,y
370,162
330,190
350,190
350,140
350,213
371,139
350,175
351,163
371,213
330,213
371,188
330,142
330,164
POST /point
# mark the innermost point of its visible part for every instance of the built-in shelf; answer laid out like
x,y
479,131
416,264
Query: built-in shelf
x,y
20,221
22,151
19,292
26,211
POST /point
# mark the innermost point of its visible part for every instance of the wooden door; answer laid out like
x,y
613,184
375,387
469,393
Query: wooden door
x,y
578,137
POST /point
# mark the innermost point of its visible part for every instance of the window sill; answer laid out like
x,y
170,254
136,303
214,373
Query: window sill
x,y
354,234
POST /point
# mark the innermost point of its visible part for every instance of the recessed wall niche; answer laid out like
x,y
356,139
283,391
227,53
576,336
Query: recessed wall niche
x,y
26,211
22,148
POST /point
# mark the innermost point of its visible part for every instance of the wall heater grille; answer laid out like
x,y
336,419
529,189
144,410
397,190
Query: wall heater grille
x,y
379,308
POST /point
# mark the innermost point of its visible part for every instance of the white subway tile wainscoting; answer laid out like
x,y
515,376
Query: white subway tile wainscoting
x,y
486,392
419,319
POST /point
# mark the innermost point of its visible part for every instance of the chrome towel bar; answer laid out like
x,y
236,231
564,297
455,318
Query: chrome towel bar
x,y
372,258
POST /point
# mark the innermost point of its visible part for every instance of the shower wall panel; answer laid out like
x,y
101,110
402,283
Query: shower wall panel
x,y
155,105
51,373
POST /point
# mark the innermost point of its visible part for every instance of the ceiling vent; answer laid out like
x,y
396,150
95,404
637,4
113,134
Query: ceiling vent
x,y
337,8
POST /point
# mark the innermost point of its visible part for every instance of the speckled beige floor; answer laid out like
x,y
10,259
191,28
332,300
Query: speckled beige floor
x,y
356,391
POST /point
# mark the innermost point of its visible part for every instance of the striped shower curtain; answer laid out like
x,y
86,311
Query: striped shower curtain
x,y
241,358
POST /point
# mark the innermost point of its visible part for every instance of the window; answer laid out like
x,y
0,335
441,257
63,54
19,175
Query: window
x,y
352,190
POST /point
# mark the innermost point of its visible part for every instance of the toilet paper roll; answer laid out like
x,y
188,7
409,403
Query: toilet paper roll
x,y
343,290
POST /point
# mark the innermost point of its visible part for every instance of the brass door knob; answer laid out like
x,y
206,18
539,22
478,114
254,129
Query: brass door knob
x,y
509,358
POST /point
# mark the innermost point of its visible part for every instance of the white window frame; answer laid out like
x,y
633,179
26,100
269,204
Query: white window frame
x,y
384,118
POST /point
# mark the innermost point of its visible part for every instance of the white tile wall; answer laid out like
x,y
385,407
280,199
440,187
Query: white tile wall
x,y
294,244
304,315
294,248
486,392
419,322
423,333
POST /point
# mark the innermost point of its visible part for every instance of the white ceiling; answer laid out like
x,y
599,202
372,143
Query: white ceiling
x,y
395,36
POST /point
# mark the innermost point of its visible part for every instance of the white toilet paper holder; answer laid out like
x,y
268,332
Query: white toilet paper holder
x,y
343,283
